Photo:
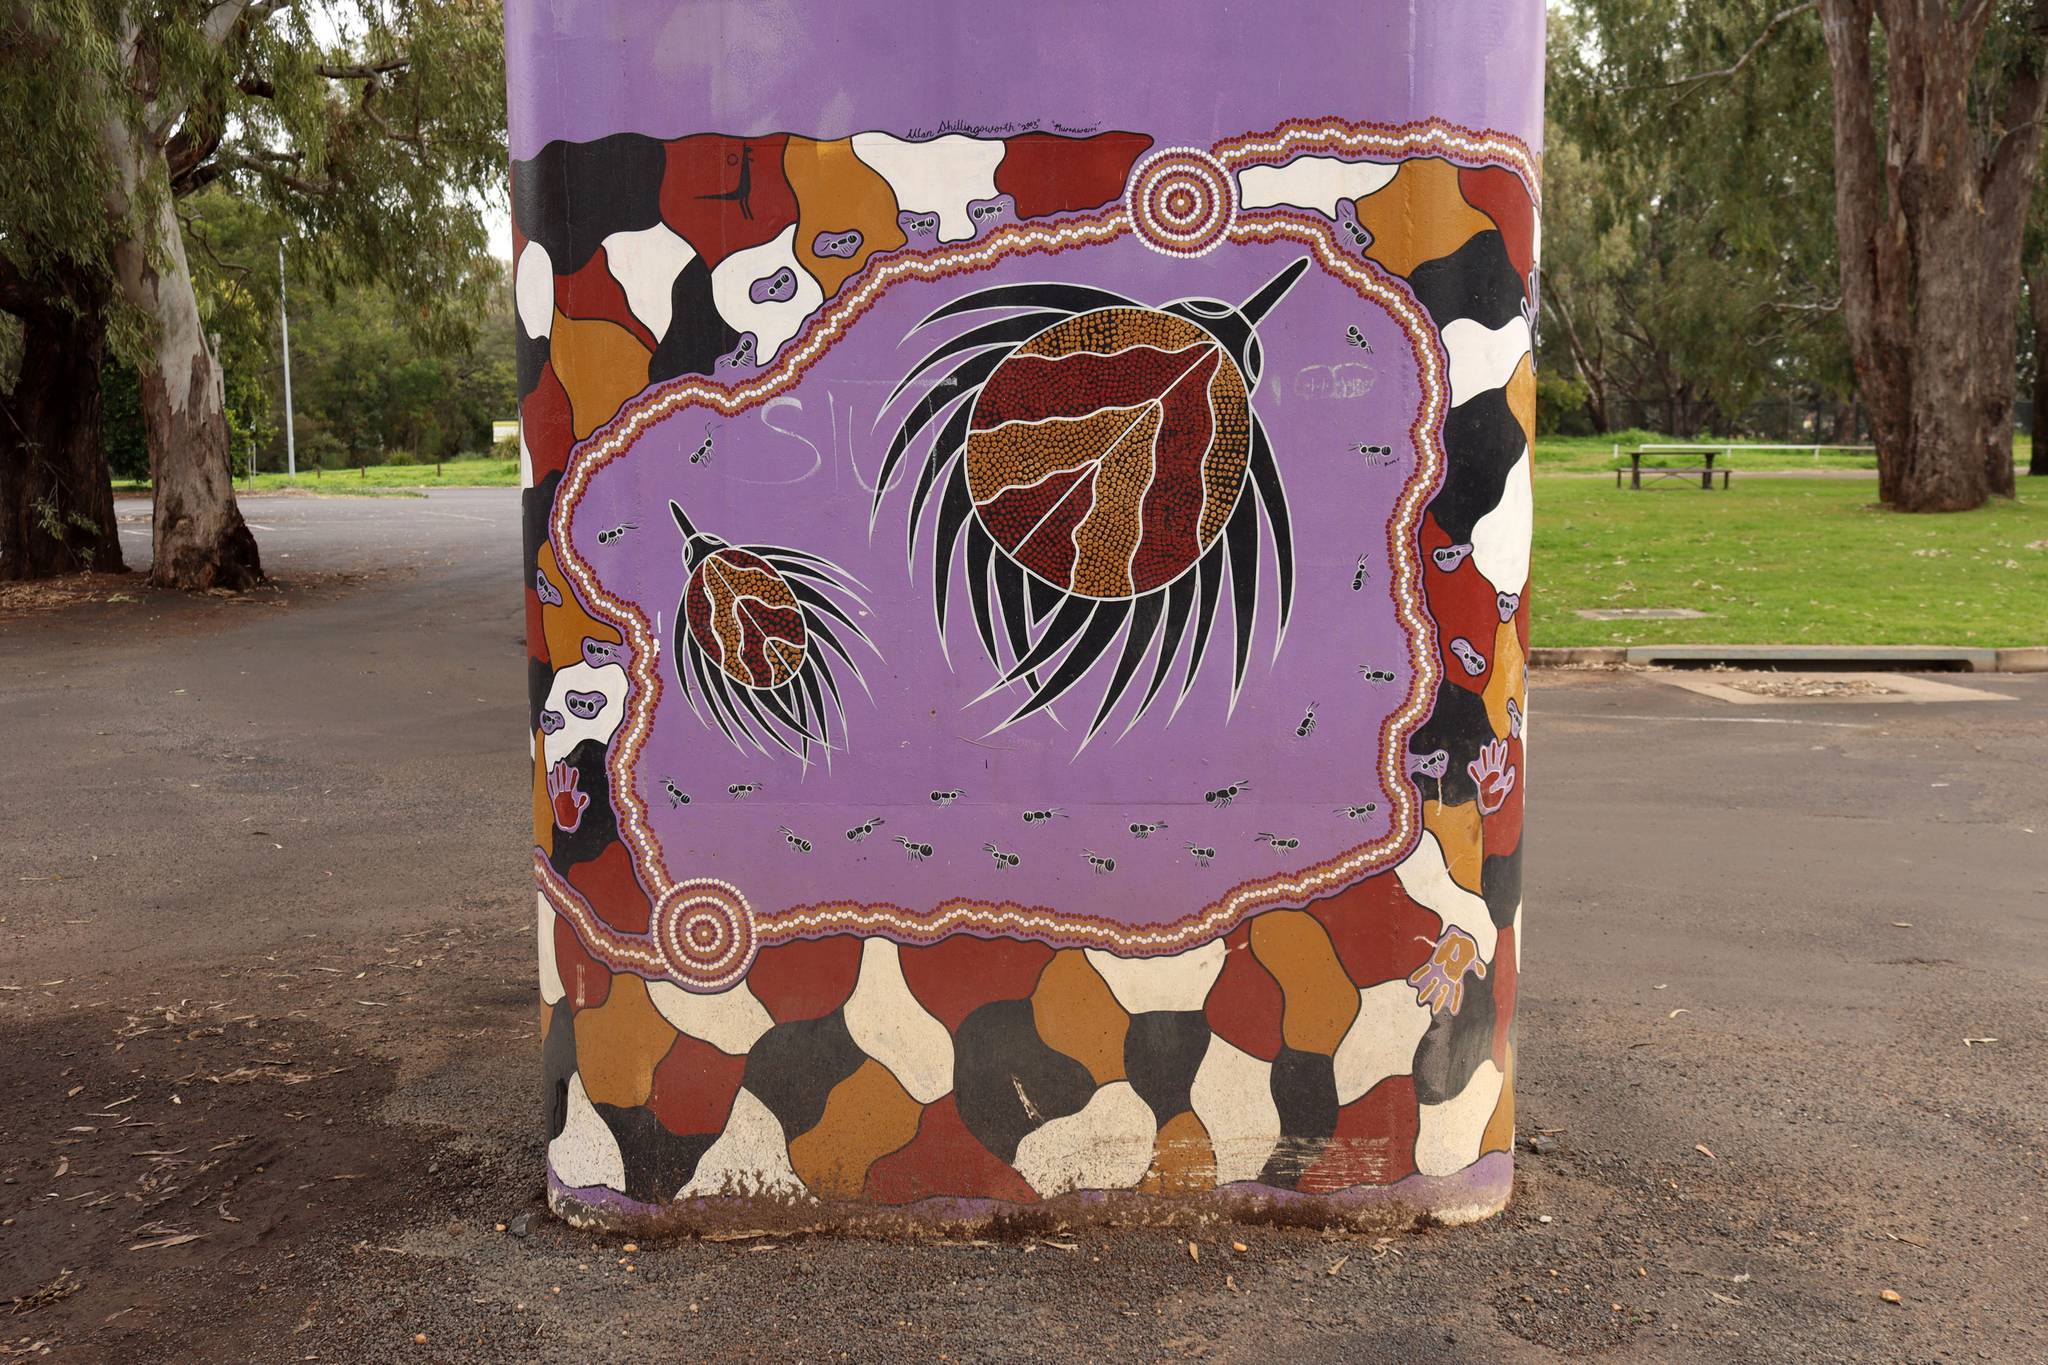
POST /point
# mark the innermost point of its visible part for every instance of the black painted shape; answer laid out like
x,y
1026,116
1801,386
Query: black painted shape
x,y
1459,726
573,195
557,1065
998,1054
1500,880
793,1067
1483,441
534,505
1305,1093
697,336
599,826
528,354
1455,1044
1476,281
540,678
658,1162
1162,1051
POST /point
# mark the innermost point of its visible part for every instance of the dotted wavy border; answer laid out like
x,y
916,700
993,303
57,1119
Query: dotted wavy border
x,y
644,954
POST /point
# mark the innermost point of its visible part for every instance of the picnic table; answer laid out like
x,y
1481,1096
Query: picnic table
x,y
1705,469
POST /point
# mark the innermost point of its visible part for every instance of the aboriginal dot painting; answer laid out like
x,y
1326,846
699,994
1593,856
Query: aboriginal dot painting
x,y
1026,557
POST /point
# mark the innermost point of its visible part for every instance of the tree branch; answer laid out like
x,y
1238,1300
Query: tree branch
x,y
364,71
1771,26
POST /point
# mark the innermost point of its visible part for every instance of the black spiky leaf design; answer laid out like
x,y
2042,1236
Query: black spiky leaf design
x,y
1099,467
760,635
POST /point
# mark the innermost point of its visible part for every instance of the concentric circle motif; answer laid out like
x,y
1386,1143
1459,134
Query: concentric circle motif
x,y
705,930
1182,201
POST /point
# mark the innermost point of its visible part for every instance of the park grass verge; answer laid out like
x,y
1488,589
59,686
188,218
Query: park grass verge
x,y
484,471
1786,561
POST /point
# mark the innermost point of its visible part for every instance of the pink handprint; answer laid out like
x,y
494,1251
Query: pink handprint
x,y
1440,982
1494,775
569,803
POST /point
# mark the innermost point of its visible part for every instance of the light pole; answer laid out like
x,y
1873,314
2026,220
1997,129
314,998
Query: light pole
x,y
291,452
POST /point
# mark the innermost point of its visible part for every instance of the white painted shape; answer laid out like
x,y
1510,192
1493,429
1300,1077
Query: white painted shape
x,y
1518,940
586,1154
939,176
1447,1136
1500,539
525,460
580,677
1483,360
750,1158
1180,982
1233,1097
533,290
1311,182
1428,883
551,988
771,323
646,263
890,1026
1107,1146
731,1021
1382,1039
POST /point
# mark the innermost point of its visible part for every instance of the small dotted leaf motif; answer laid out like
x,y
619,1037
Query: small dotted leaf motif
x,y
761,632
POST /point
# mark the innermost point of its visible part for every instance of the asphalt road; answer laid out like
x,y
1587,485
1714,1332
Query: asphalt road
x,y
267,1012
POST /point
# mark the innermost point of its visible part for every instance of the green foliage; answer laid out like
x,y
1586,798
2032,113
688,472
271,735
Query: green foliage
x,y
1561,406
121,424
1689,228
369,135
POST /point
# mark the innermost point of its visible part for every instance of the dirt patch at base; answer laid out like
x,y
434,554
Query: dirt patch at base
x,y
162,1162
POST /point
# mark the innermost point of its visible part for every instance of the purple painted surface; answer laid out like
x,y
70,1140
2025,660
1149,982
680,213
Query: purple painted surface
x,y
798,472
580,72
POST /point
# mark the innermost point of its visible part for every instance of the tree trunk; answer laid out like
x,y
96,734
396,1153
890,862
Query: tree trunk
x,y
2037,290
56,497
198,538
1929,250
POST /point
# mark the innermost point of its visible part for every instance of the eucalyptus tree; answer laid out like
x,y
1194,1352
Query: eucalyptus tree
x,y
371,129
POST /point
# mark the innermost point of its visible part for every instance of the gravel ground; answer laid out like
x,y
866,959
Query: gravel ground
x,y
271,1082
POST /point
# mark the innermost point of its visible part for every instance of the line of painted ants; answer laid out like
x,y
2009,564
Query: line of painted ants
x,y
917,850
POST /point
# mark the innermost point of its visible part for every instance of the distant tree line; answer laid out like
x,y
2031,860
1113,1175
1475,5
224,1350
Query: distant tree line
x,y
1813,221
367,389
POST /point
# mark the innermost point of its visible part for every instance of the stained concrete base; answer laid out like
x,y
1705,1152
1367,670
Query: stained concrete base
x,y
2021,659
1476,1193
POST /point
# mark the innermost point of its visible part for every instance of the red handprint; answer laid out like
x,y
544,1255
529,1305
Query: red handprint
x,y
569,803
1494,775
1440,982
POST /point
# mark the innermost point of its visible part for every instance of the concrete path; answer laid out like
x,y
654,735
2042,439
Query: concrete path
x,y
268,989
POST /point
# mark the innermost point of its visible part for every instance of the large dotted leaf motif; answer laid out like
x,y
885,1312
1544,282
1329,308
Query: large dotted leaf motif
x,y
1106,453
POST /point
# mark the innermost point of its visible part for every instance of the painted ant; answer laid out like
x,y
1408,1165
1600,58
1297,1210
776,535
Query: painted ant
x,y
676,795
795,840
611,534
861,831
918,852
1146,831
947,798
1203,856
1004,861
1223,796
1033,817
1308,722
740,791
1277,841
1102,865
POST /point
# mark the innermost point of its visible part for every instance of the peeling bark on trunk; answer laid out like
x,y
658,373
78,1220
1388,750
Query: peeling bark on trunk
x,y
56,496
1929,235
198,538
2037,291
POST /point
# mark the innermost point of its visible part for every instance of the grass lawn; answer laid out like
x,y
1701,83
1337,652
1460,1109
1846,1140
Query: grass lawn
x,y
481,471
1787,561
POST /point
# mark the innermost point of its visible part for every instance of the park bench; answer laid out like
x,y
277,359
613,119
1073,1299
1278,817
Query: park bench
x,y
1705,470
